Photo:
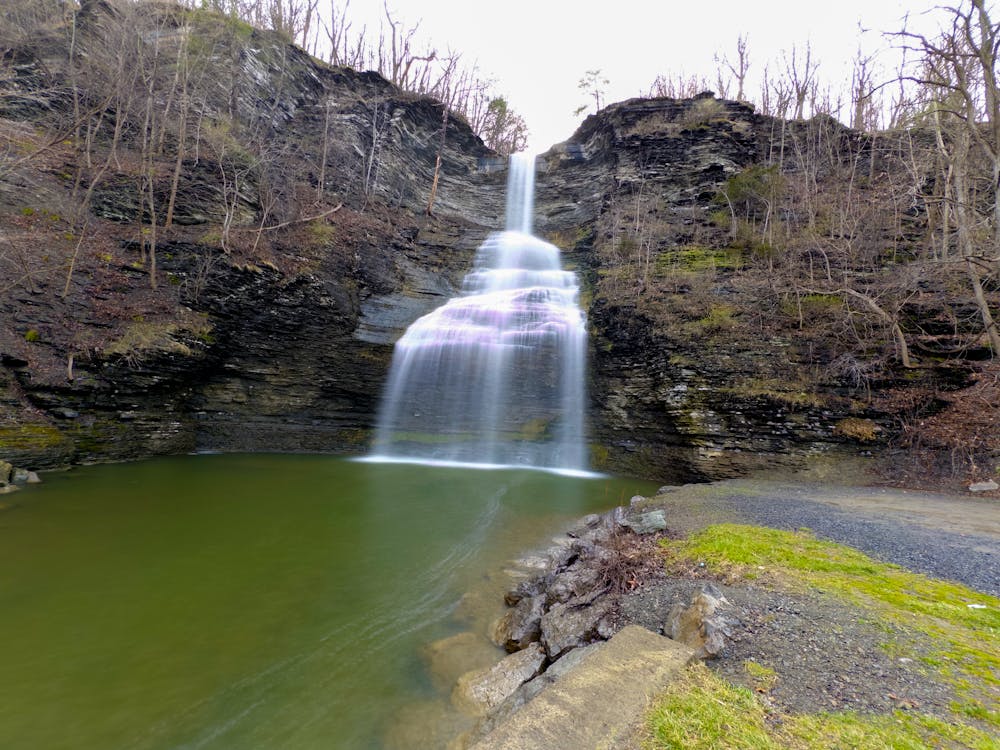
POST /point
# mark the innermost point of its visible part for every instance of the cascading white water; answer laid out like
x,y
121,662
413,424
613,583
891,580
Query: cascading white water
x,y
495,376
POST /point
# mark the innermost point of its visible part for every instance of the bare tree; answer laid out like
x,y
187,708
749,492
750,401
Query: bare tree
x,y
800,72
737,69
593,84
865,107
958,77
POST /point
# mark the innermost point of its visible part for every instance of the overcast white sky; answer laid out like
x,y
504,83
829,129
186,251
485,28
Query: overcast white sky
x,y
537,50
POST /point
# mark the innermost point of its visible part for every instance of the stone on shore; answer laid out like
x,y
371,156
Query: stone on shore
x,y
449,658
598,702
577,622
700,625
520,625
647,523
988,486
480,691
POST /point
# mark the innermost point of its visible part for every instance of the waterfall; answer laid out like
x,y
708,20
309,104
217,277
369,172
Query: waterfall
x,y
495,376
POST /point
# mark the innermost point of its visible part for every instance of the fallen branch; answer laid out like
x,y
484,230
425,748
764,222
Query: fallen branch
x,y
301,221
897,332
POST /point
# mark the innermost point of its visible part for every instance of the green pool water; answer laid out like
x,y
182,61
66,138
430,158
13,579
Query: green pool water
x,y
249,601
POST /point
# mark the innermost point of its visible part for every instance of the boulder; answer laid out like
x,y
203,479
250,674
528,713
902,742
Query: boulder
x,y
647,523
520,625
480,691
6,472
533,687
577,622
700,625
579,579
598,701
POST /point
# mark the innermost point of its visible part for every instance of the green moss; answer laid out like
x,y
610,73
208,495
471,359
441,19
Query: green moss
x,y
720,217
431,438
698,259
30,436
599,455
534,429
718,318
31,335
567,239
811,305
354,437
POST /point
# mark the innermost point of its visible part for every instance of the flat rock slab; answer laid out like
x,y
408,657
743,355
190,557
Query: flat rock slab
x,y
596,704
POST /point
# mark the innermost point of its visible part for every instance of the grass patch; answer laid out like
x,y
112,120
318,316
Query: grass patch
x,y
764,678
719,318
789,392
144,337
701,711
863,430
963,625
810,306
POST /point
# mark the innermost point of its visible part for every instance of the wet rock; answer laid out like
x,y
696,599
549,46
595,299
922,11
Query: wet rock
x,y
480,691
32,478
520,625
449,658
429,723
700,625
6,472
533,687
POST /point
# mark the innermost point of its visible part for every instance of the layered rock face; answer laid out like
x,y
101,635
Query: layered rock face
x,y
676,394
280,344
288,350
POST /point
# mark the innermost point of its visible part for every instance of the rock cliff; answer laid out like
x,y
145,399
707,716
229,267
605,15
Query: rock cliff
x,y
273,322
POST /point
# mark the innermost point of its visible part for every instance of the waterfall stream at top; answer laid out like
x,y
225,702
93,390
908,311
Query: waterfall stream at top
x,y
495,376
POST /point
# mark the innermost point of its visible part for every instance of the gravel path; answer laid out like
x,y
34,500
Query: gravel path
x,y
944,536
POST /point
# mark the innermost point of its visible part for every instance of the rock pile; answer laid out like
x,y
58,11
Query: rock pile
x,y
566,603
